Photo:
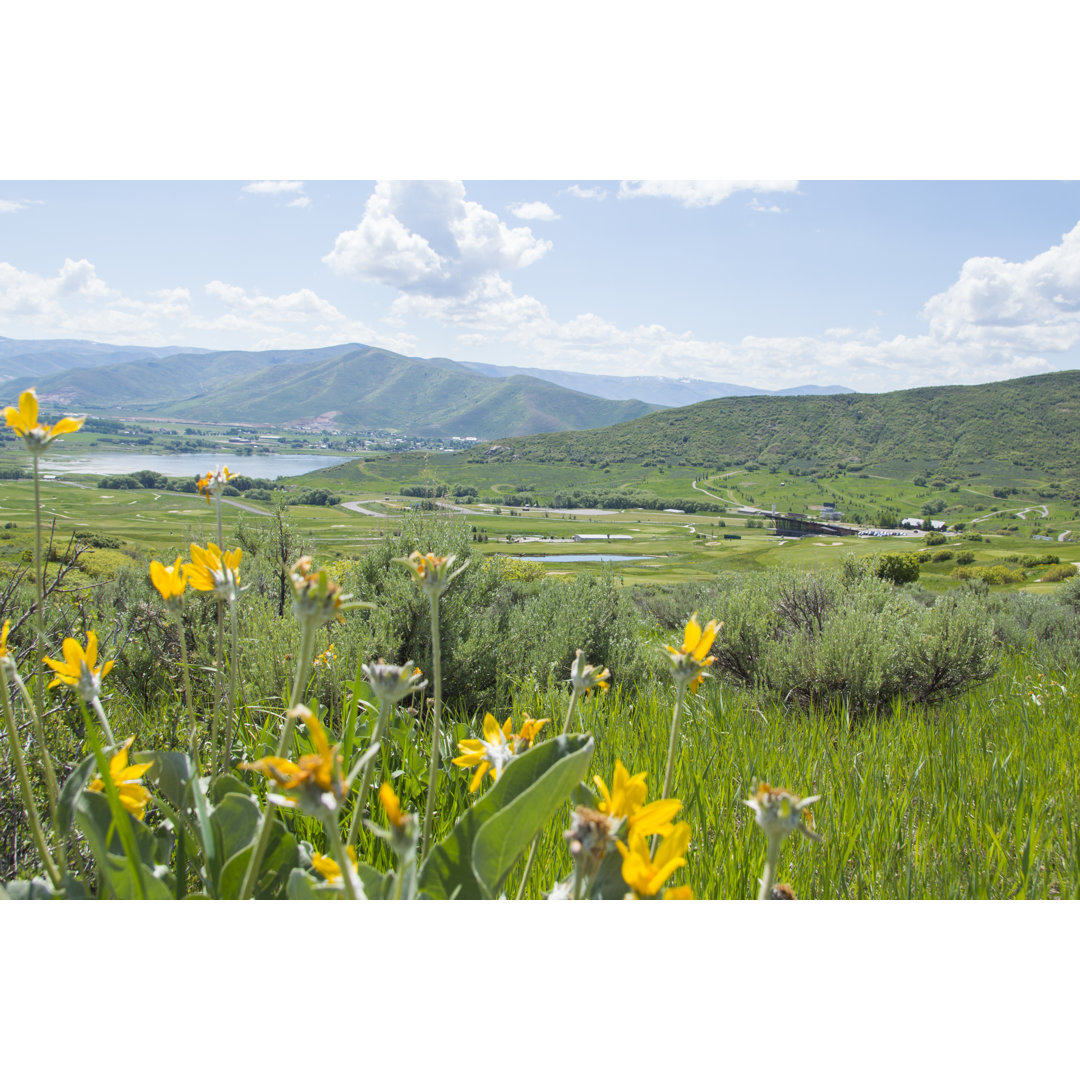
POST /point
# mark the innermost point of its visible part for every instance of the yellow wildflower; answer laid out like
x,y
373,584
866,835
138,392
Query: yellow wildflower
x,y
680,892
645,875
585,678
170,581
392,805
4,651
432,572
497,747
778,812
78,669
316,598
24,421
213,481
626,799
328,867
689,662
212,570
133,796
315,779
391,682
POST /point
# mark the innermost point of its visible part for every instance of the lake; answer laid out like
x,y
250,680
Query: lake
x,y
585,558
260,466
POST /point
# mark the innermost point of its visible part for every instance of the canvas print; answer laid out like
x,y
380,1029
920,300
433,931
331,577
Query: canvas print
x,y
576,540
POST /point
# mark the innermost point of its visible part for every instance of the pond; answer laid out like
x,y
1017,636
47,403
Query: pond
x,y
586,558
260,466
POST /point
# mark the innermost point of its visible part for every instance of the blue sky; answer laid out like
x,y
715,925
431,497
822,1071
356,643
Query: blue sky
x,y
874,285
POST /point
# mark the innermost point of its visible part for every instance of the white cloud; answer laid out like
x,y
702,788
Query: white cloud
x,y
427,239
533,211
302,201
76,302
763,208
999,320
597,193
8,206
699,193
274,187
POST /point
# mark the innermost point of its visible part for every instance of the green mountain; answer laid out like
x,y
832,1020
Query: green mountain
x,y
1034,421
352,387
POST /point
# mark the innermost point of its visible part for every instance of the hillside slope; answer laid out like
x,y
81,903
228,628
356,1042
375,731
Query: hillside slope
x,y
1033,420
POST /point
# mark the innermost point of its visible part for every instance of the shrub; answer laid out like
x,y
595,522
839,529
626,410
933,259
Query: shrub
x,y
942,556
894,567
965,558
848,641
1060,572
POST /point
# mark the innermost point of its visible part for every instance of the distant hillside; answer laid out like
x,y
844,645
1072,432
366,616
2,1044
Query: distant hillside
x,y
658,389
1033,421
37,359
342,386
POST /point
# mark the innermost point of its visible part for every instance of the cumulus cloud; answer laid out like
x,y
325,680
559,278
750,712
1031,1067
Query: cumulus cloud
x,y
75,301
698,193
579,192
426,239
999,320
9,206
534,211
274,187
766,208
302,201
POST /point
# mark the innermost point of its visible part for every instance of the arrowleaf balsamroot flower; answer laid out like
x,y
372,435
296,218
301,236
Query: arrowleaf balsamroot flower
x,y
586,677
317,599
689,662
212,570
779,813
497,747
626,800
315,780
125,777
392,805
432,572
328,867
390,682
78,668
213,481
4,650
24,421
170,581
646,875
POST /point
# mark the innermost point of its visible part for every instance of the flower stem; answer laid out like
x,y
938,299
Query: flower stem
x,y
365,776
219,662
433,775
187,686
234,660
39,607
100,713
24,783
341,856
536,840
772,857
669,772
303,663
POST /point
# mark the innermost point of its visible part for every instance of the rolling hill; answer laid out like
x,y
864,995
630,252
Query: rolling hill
x,y
353,387
29,359
660,389
1034,421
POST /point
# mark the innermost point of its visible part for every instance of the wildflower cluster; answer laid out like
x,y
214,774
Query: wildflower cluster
x,y
498,745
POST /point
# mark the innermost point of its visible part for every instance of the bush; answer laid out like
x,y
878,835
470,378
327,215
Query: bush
x,y
848,641
1060,572
941,556
999,574
934,538
894,567
965,558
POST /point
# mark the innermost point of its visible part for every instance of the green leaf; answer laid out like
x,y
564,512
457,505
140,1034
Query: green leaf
x,y
473,865
280,860
171,772
302,886
376,886
609,883
504,837
34,889
235,821
73,787
226,785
